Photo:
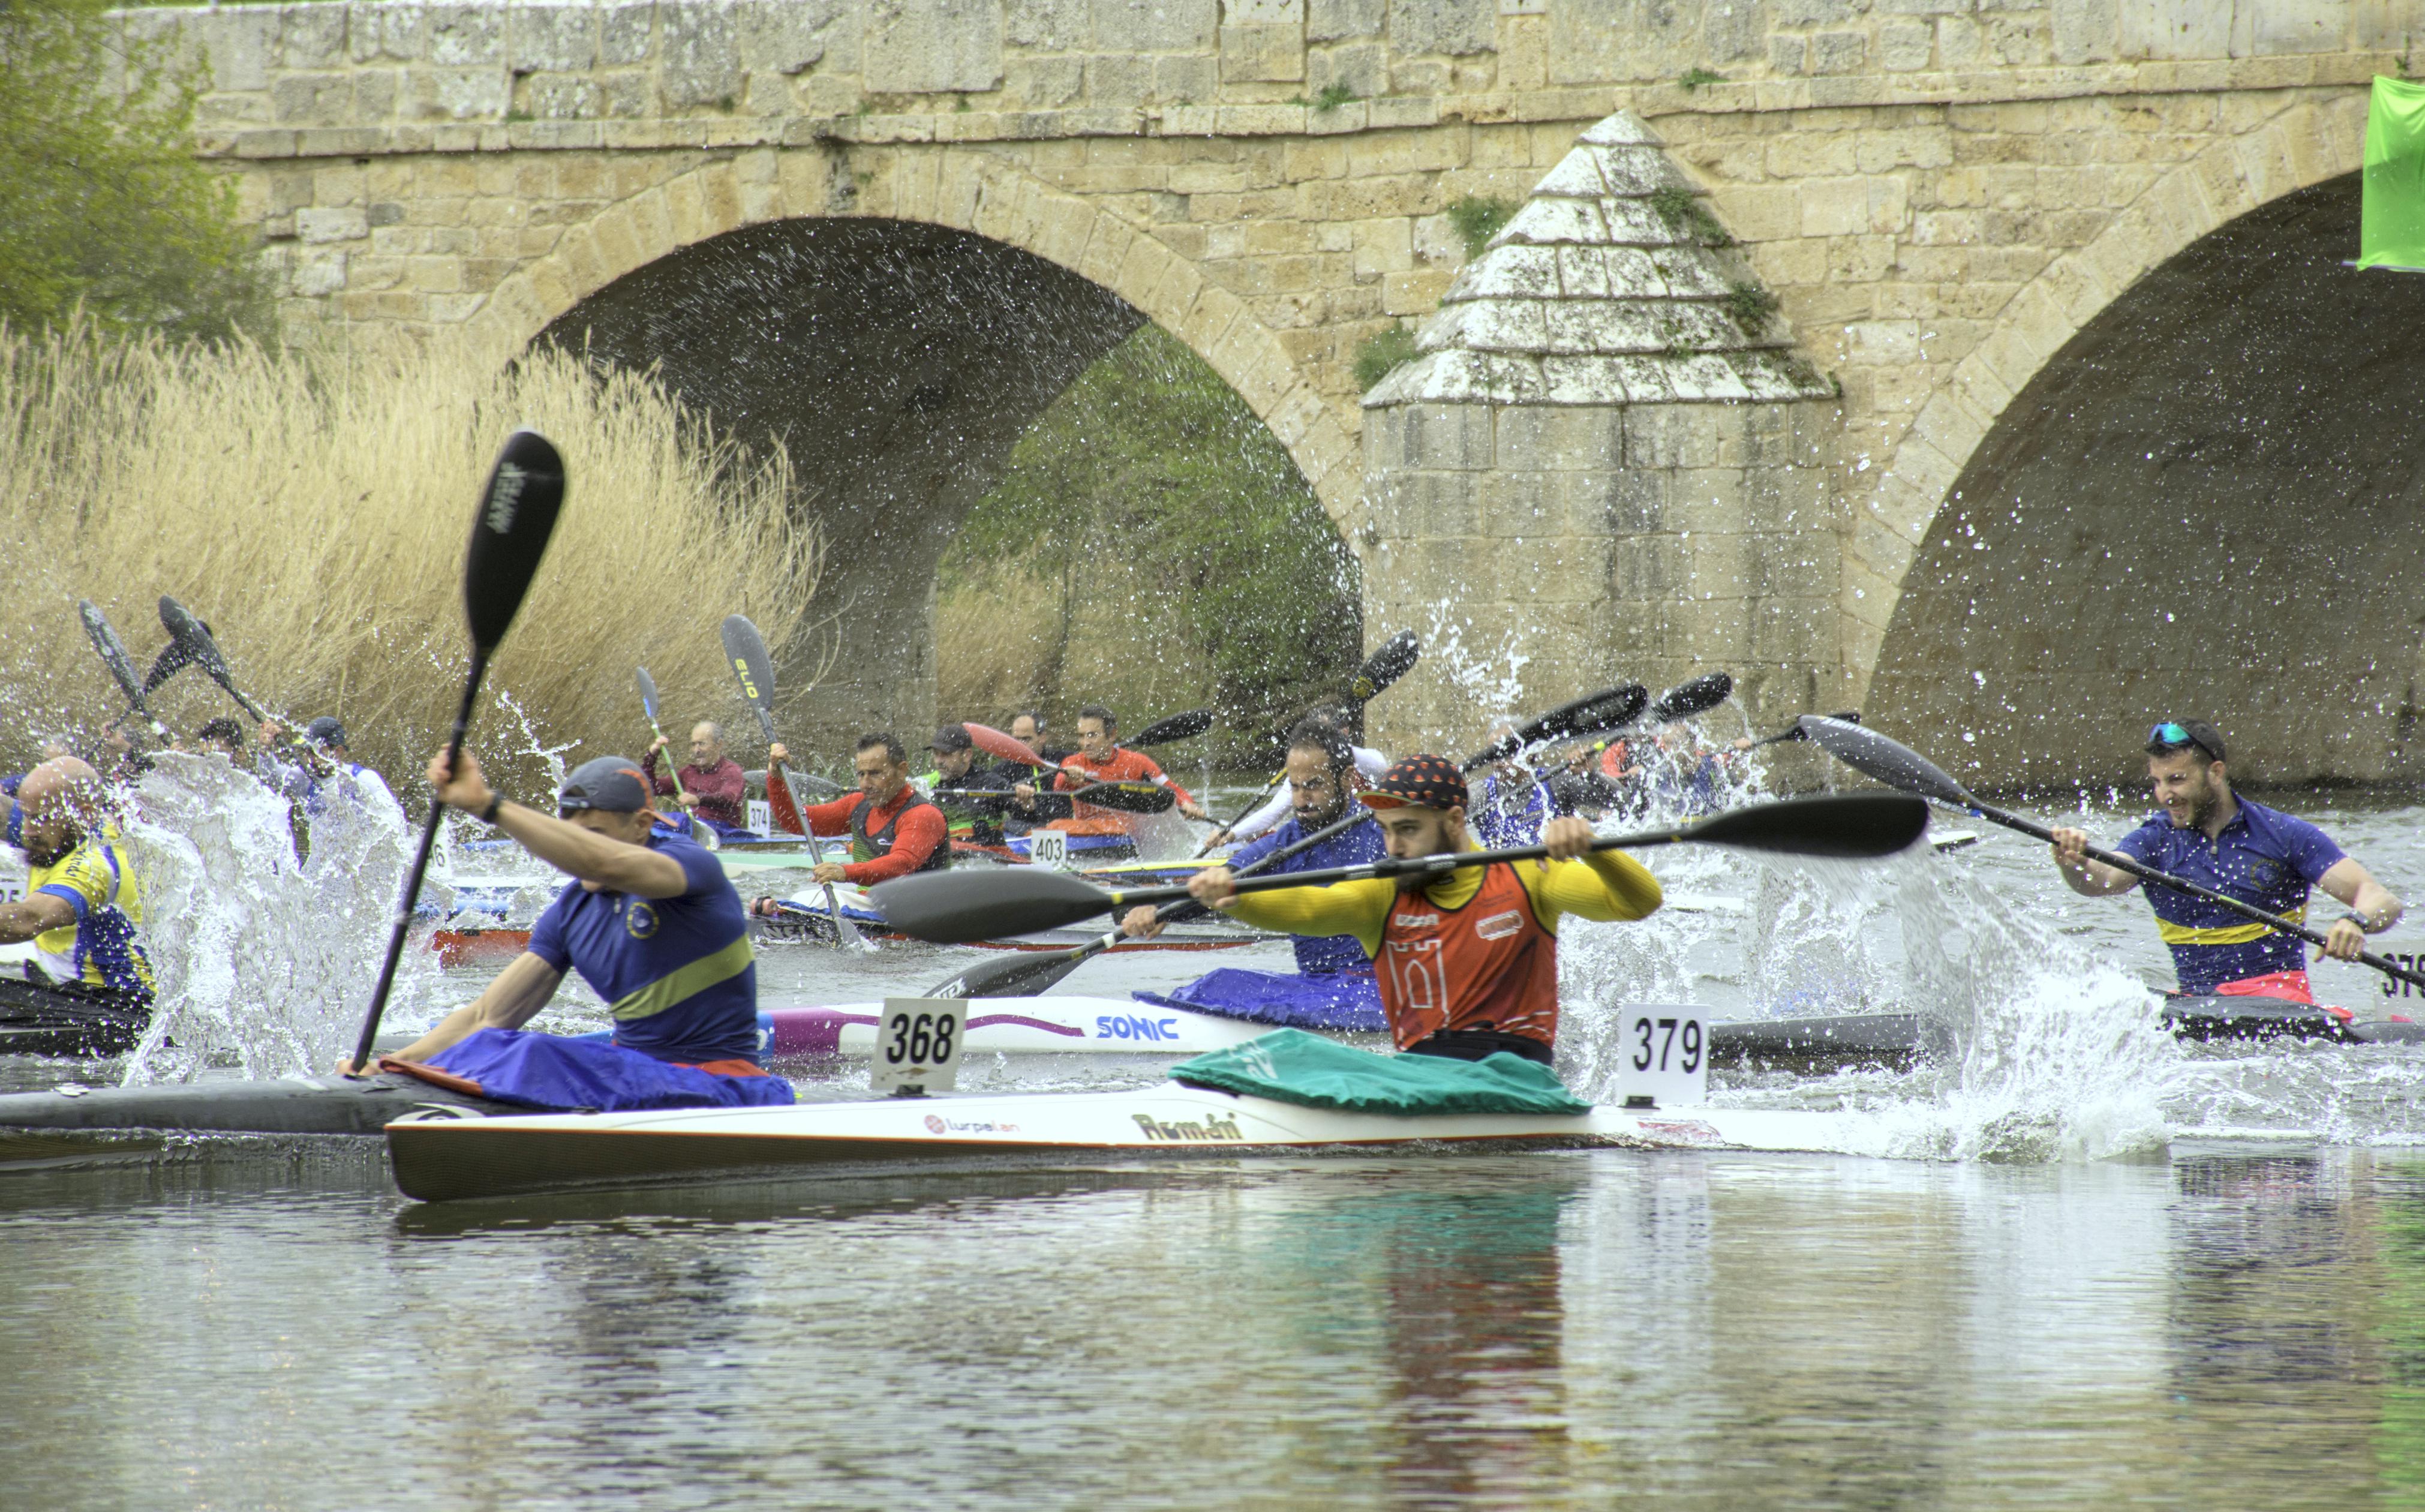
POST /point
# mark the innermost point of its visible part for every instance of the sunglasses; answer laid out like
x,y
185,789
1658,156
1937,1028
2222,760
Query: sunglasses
x,y
2173,734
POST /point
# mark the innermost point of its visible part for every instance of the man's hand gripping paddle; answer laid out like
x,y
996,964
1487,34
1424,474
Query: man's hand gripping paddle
x,y
509,534
1395,658
745,650
1900,766
953,907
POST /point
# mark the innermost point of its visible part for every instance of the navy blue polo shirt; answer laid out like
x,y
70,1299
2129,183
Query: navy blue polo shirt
x,y
2263,857
677,972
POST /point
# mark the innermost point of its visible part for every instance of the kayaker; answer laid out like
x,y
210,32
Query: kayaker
x,y
712,784
81,907
1325,728
973,801
1512,805
893,829
2210,835
222,736
1099,758
317,757
1333,986
650,922
1468,965
1030,808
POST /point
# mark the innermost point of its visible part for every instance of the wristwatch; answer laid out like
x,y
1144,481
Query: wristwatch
x,y
489,813
2362,926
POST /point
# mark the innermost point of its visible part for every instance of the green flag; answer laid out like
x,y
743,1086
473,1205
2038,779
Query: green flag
x,y
2391,228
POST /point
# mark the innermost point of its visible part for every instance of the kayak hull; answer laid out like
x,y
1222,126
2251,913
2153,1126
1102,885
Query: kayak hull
x,y
444,1156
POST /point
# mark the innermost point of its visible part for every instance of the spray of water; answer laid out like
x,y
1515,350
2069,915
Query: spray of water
x,y
263,961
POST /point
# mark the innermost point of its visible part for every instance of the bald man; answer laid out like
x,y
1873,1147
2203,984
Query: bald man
x,y
80,907
712,787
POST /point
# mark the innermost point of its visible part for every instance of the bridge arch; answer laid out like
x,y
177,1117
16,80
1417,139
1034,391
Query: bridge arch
x,y
900,342
2210,321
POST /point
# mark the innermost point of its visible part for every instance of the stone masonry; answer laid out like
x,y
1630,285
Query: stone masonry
x,y
1939,194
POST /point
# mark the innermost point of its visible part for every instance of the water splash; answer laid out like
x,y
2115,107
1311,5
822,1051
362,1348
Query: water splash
x,y
1491,680
264,961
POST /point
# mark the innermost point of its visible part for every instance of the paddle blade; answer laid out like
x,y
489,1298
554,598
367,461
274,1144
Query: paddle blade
x,y
1615,707
509,534
1395,658
1845,826
172,659
1889,761
953,908
1017,974
1129,798
112,650
1177,727
648,692
745,651
1007,748
191,639
1685,699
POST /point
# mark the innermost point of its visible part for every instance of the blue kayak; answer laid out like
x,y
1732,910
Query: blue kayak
x,y
1350,1000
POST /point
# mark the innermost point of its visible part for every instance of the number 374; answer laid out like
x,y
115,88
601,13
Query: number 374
x,y
1659,1046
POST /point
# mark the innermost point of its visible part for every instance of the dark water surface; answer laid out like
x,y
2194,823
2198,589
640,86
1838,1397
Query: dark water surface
x,y
2221,1328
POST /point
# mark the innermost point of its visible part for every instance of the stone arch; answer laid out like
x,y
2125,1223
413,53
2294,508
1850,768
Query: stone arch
x,y
2201,505
965,189
2310,140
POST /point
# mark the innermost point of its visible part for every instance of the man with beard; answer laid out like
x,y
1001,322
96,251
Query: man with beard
x,y
1467,960
2210,835
80,907
1333,987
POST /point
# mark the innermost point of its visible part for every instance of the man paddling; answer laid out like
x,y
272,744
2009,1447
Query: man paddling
x,y
81,908
894,829
1326,728
2210,835
713,784
1333,987
972,799
650,922
1468,966
1101,758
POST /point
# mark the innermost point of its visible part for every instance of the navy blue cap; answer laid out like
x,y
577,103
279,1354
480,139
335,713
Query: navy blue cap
x,y
607,783
325,730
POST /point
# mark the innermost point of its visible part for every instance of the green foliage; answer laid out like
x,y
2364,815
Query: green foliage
x,y
1477,220
1750,306
1682,210
1694,77
1332,97
102,201
1383,354
1151,541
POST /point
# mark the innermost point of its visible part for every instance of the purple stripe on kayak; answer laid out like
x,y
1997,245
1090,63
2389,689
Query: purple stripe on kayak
x,y
1026,1023
809,1030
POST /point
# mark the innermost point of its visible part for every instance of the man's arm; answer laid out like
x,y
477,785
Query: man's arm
x,y
511,1000
37,914
2090,879
1359,909
565,846
2369,900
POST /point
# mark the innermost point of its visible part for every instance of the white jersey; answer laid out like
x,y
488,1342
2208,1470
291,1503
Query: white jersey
x,y
1370,763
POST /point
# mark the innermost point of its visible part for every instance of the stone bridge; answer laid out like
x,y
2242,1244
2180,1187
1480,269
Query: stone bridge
x,y
1987,365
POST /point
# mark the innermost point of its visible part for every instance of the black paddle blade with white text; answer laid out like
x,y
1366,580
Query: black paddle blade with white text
x,y
1844,826
1698,695
1890,762
1013,974
1393,659
510,534
112,650
985,903
1177,727
745,648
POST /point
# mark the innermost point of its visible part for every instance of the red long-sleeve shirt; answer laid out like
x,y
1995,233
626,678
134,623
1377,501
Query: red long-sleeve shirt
x,y
719,788
1125,766
913,840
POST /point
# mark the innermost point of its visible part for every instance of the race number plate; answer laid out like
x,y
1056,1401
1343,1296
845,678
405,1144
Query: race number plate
x,y
1663,1057
760,815
916,1046
1048,847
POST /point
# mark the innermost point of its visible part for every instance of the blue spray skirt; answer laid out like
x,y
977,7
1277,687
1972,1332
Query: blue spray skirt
x,y
1350,1000
541,1070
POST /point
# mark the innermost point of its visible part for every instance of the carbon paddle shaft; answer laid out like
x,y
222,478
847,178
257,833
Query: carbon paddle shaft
x,y
402,925
2145,873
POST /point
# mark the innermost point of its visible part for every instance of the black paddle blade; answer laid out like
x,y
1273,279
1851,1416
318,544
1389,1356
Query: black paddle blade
x,y
1017,974
1177,727
648,692
112,650
1698,696
509,534
172,659
1890,762
1615,707
1393,660
192,639
953,908
1128,798
1847,827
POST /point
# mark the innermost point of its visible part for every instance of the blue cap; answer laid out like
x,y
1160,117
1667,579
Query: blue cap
x,y
325,730
607,783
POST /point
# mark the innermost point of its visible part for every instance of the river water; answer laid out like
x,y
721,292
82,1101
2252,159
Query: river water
x,y
2074,1264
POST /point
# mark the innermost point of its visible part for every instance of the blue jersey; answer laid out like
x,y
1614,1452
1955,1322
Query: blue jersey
x,y
1504,816
677,974
2263,857
1319,954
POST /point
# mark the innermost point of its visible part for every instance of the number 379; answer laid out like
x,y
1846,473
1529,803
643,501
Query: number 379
x,y
1659,1046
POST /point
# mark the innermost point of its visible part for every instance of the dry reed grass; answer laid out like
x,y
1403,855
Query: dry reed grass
x,y
313,508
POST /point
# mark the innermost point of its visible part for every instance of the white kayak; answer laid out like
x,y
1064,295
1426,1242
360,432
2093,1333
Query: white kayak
x,y
447,1154
1036,1025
